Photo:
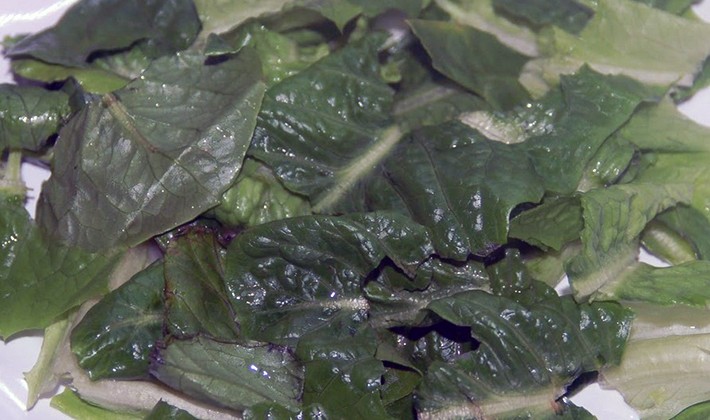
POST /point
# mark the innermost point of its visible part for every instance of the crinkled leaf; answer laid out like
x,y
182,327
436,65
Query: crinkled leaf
x,y
549,225
196,297
95,26
448,392
515,356
569,15
396,299
230,374
30,115
614,218
116,337
591,107
153,155
292,276
613,163
488,67
323,130
462,186
34,295
339,361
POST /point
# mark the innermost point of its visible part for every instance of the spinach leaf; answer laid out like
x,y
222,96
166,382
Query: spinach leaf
x,y
187,122
96,26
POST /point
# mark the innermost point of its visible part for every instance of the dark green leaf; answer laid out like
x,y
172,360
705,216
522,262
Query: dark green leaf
x,y
462,186
677,7
153,155
196,298
30,115
97,26
324,129
698,411
116,337
291,276
488,68
342,374
163,411
231,375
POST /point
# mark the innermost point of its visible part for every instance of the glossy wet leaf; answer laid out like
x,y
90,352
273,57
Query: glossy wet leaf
x,y
30,115
323,130
230,374
142,160
99,26
116,337
292,276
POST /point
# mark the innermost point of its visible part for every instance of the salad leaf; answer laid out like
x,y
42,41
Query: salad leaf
x,y
629,38
116,337
282,287
30,116
568,15
490,69
180,121
242,375
36,295
614,217
257,197
92,27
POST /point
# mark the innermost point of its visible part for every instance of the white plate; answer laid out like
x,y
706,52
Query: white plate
x,y
18,355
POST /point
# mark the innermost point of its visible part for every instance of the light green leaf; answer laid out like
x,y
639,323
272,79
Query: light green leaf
x,y
614,218
629,38
229,374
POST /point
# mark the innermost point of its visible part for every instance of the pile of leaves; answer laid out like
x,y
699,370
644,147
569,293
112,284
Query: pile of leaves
x,y
359,209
